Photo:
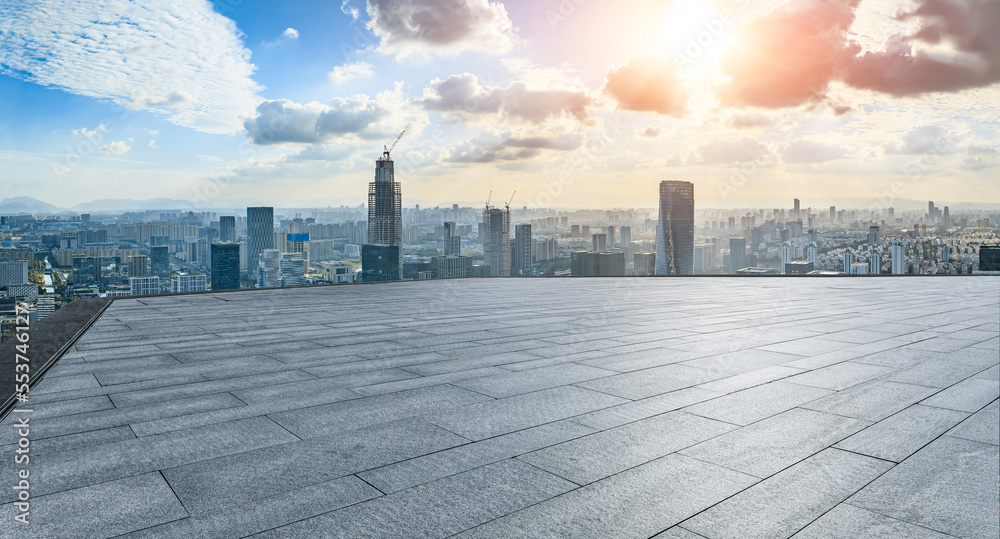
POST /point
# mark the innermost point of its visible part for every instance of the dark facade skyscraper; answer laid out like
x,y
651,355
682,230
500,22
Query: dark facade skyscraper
x,y
385,226
225,266
521,258
227,228
737,254
675,229
159,261
260,233
452,241
989,258
380,263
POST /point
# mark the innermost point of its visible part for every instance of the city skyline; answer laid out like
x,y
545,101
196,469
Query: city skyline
x,y
295,101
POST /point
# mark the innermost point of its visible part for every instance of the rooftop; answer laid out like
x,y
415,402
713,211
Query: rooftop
x,y
690,407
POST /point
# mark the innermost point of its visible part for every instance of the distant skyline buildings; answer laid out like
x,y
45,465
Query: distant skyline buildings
x,y
675,229
260,234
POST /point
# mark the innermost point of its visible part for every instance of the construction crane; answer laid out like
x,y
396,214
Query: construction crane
x,y
388,149
488,200
507,205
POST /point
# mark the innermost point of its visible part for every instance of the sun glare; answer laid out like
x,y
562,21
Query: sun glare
x,y
695,32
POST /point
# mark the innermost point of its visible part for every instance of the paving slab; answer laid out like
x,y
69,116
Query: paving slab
x,y
902,434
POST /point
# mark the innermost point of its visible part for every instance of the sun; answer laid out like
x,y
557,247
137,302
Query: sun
x,y
695,32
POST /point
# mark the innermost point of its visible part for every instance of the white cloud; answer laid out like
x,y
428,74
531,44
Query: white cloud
x,y
652,131
290,33
152,144
463,96
116,147
346,72
926,139
178,58
443,27
349,10
805,151
90,133
724,151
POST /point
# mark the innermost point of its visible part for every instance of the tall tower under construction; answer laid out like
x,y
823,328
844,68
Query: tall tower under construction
x,y
496,243
381,259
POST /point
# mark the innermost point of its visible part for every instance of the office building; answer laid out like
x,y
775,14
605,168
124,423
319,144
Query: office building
x,y
225,266
452,242
737,254
946,218
187,283
930,211
626,235
321,251
521,258
380,263
795,210
873,235
297,243
833,214
13,272
875,263
597,264
144,286
989,258
293,270
644,264
269,268
946,254
611,237
159,261
785,255
599,242
496,242
675,229
848,261
896,251
260,234
451,267
798,267
86,270
138,266
811,252
227,229
45,305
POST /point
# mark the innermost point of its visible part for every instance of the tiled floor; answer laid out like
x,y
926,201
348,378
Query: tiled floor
x,y
700,407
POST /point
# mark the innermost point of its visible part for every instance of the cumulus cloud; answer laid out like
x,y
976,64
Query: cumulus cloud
x,y
290,33
442,27
805,151
463,96
647,84
788,56
967,51
725,151
348,9
926,139
346,72
152,144
492,147
283,121
652,131
177,58
746,121
90,133
117,147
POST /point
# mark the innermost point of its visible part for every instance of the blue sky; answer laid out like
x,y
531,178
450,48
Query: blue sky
x,y
574,104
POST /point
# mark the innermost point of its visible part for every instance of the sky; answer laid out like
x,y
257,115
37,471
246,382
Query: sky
x,y
570,103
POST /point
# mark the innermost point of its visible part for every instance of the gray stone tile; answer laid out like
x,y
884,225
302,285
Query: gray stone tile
x,y
252,475
111,390
846,520
969,395
945,370
420,470
596,456
487,419
426,381
751,379
279,390
742,361
874,401
516,383
751,405
840,376
246,518
807,346
438,509
948,486
676,532
786,502
902,434
983,426
641,409
770,445
649,382
69,407
642,359
365,411
65,383
636,503
102,510
74,441
207,387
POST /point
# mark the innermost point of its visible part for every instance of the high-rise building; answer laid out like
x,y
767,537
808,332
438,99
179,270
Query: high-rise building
x,y
795,211
260,234
785,255
451,267
144,286
159,260
848,261
521,258
675,229
13,272
45,305
496,244
626,235
138,266
225,266
645,264
227,228
930,211
811,253
989,258
451,240
946,218
873,235
380,263
737,254
297,243
86,270
600,242
293,270
897,258
597,264
187,283
946,254
321,251
269,268
611,237
833,214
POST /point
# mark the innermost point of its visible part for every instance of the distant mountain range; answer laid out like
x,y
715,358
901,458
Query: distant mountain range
x,y
21,205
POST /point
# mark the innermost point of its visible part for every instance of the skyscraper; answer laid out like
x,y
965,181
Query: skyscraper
x,y
930,211
675,229
452,241
268,268
159,259
611,237
946,218
626,233
521,258
138,266
795,211
897,258
848,261
260,234
227,228
496,243
786,255
380,263
293,270
737,254
811,253
875,262
833,214
385,225
599,242
225,266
